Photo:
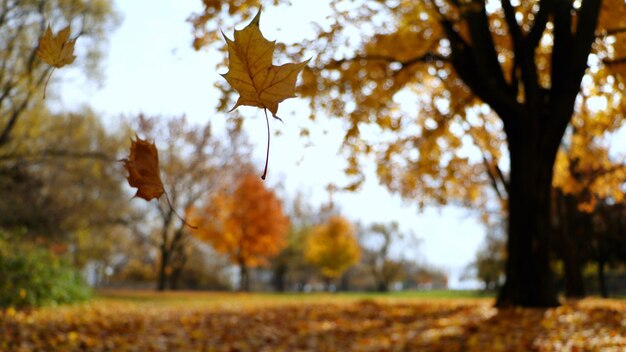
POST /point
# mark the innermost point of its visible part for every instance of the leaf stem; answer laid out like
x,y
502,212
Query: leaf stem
x,y
267,153
45,87
167,197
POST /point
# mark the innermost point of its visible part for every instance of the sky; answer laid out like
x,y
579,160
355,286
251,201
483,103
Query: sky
x,y
151,67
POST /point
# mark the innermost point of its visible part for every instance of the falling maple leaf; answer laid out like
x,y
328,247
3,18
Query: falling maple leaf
x,y
143,169
144,174
252,74
57,51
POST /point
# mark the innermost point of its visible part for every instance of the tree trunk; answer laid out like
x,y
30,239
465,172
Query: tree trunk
x,y
534,127
162,275
574,283
382,286
327,283
280,277
571,232
529,278
177,258
244,278
604,290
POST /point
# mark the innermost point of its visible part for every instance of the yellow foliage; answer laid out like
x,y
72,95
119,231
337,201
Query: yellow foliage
x,y
432,139
333,247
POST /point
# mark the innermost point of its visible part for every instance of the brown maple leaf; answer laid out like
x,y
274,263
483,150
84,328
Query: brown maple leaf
x,y
144,173
57,51
252,74
143,169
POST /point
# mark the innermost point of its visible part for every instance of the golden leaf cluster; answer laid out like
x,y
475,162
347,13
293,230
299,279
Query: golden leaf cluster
x,y
404,104
333,247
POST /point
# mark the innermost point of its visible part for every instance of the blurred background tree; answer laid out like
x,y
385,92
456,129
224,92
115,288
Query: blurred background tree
x,y
194,162
243,220
290,269
22,23
377,256
332,247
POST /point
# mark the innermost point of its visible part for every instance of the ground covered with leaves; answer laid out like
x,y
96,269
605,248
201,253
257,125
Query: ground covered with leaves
x,y
126,321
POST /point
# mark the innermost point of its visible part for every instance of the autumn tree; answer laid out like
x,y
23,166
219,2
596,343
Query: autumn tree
x,y
290,267
332,247
377,255
243,220
62,200
461,60
490,259
193,162
22,73
60,180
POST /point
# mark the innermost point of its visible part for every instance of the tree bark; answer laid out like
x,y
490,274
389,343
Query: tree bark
x,y
162,276
327,283
529,278
534,127
382,286
604,290
280,277
244,278
571,230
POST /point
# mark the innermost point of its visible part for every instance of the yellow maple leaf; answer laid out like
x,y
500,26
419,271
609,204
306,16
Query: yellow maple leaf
x,y
57,51
252,74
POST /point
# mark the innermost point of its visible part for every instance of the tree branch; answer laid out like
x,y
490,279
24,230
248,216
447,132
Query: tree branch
x,y
574,63
615,31
514,28
524,60
539,25
426,58
562,49
60,154
610,62
484,50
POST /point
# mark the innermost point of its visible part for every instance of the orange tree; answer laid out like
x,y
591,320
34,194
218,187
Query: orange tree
x,y
486,72
192,161
246,223
332,247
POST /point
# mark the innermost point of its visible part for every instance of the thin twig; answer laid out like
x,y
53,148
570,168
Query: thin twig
x,y
178,215
45,87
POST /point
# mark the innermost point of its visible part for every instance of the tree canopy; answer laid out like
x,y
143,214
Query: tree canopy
x,y
478,74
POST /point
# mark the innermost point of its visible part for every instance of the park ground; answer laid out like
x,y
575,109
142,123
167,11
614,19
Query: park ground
x,y
414,321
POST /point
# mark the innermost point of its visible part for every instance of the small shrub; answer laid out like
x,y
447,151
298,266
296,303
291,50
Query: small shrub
x,y
32,276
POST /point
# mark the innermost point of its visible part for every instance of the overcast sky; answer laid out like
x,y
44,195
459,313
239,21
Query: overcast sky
x,y
151,68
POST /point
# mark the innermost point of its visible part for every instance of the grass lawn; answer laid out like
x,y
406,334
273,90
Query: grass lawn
x,y
403,321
